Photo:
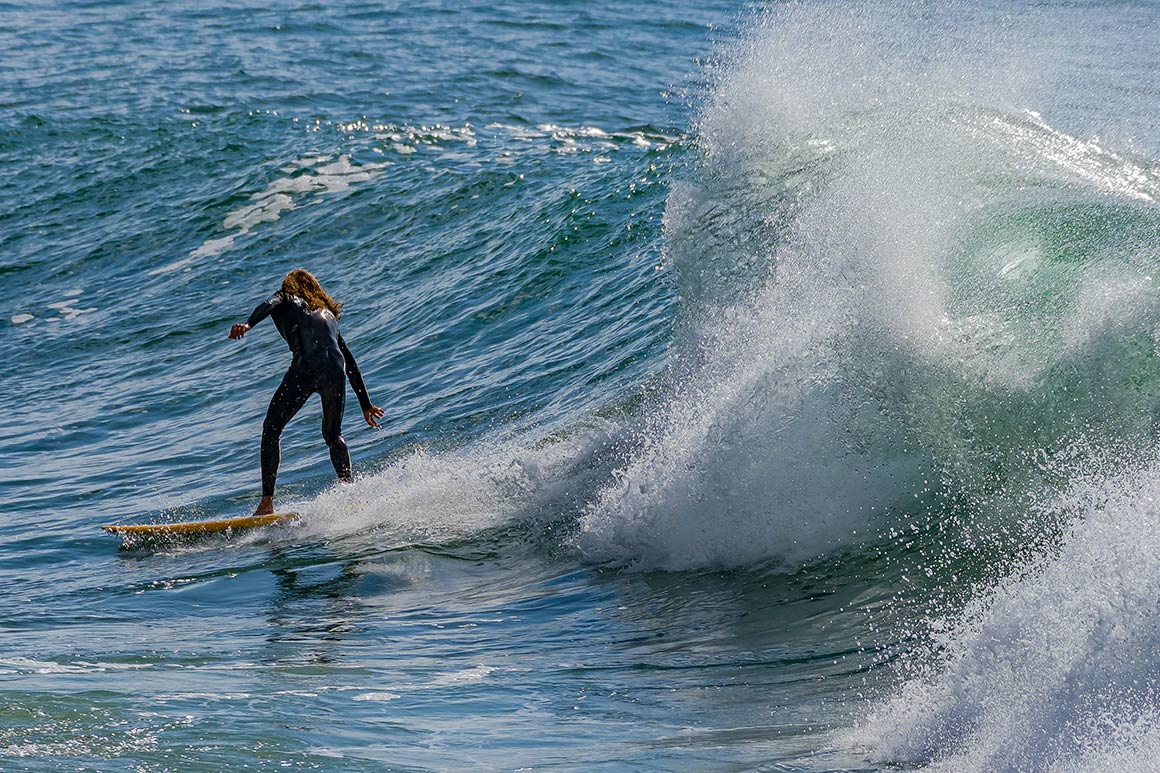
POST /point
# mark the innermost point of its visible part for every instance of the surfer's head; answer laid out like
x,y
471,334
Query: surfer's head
x,y
302,283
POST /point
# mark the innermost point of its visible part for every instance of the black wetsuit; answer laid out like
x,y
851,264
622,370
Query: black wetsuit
x,y
320,361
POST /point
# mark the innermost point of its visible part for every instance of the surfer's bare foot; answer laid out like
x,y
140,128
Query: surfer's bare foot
x,y
265,507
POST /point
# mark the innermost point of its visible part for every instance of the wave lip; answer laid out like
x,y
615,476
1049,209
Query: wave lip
x,y
893,278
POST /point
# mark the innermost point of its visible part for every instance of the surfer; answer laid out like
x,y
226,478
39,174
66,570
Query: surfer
x,y
308,319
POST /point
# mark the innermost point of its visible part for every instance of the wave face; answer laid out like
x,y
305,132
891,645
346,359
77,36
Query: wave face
x,y
902,291
917,265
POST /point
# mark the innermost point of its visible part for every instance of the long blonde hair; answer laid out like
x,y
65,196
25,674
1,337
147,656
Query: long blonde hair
x,y
302,283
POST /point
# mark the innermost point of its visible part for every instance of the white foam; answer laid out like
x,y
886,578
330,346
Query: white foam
x,y
376,697
309,177
441,496
471,675
1054,670
23,665
570,140
67,310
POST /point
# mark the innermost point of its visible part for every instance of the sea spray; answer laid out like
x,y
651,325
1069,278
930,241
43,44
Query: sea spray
x,y
427,496
1056,665
891,294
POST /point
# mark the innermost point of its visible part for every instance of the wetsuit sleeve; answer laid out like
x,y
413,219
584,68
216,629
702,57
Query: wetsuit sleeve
x,y
355,376
264,310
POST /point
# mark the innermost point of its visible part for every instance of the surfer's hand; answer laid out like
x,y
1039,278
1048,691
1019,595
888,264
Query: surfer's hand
x,y
373,413
239,330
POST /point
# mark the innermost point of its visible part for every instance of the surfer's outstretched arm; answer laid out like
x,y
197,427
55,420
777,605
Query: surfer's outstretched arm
x,y
370,411
260,313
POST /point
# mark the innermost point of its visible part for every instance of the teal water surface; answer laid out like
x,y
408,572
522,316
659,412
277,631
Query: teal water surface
x,y
767,387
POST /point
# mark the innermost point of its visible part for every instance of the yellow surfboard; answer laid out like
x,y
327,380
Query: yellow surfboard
x,y
198,528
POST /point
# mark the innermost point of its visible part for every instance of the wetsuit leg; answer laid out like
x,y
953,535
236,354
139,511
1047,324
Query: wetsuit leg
x,y
291,395
333,393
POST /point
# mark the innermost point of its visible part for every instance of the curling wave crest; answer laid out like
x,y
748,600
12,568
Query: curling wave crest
x,y
898,287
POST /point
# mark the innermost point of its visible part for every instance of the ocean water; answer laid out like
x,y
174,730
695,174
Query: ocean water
x,y
767,386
